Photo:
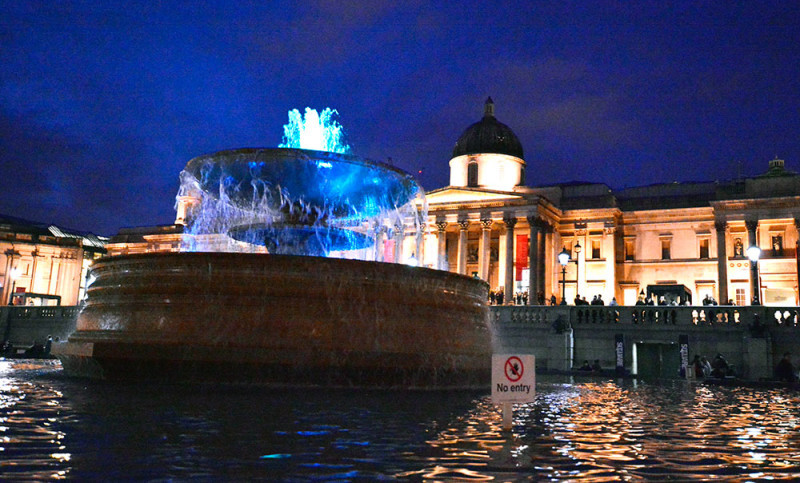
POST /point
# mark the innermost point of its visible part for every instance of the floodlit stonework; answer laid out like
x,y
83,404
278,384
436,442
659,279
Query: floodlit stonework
x,y
688,238
44,264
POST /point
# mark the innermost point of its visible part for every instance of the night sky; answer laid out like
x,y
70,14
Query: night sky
x,y
102,106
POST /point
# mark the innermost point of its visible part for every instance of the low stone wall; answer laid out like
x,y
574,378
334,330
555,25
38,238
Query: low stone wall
x,y
753,339
24,326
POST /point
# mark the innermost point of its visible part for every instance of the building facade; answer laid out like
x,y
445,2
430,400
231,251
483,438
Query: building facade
x,y
679,241
685,242
44,264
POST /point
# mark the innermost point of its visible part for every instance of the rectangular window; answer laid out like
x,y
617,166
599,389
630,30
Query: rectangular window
x,y
629,250
665,248
595,249
704,242
777,245
741,297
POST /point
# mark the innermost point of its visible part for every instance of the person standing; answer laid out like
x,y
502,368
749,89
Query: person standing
x,y
785,370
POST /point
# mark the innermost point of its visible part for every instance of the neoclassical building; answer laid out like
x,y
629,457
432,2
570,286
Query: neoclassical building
x,y
678,238
44,264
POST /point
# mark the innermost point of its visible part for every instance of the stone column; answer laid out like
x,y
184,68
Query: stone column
x,y
533,259
463,226
399,235
380,236
441,237
508,280
610,255
752,241
540,275
484,253
797,256
722,262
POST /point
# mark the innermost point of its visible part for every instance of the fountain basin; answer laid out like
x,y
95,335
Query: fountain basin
x,y
283,319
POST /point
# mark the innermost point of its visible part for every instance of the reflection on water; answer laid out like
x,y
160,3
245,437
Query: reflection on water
x,y
52,427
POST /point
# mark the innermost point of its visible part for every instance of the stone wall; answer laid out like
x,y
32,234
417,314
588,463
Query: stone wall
x,y
24,326
753,339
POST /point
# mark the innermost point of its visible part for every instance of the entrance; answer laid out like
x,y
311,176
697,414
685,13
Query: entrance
x,y
654,360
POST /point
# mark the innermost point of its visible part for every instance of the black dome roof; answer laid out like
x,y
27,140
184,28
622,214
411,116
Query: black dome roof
x,y
488,136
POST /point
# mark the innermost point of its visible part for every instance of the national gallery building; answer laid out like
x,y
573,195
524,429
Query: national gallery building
x,y
679,240
685,242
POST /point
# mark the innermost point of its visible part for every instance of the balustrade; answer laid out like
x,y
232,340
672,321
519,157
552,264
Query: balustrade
x,y
700,316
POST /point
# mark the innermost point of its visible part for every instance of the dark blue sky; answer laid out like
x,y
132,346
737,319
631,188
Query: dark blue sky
x,y
101,106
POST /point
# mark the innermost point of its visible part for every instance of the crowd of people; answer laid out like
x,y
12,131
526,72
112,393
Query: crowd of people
x,y
497,297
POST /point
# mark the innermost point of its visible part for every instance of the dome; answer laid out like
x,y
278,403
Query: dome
x,y
488,136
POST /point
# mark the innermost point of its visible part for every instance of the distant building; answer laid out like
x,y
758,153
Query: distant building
x,y
44,264
664,239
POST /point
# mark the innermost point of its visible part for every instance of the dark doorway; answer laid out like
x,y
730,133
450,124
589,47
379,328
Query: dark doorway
x,y
658,360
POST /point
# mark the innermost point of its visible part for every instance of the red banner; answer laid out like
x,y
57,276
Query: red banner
x,y
521,257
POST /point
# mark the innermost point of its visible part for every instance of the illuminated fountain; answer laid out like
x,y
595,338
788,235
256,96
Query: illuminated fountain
x,y
277,281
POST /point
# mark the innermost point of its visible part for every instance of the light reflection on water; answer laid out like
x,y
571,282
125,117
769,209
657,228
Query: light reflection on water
x,y
593,430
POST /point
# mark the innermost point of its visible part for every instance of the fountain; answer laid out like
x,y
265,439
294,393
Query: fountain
x,y
279,280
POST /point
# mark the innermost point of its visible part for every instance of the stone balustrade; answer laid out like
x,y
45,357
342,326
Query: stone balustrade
x,y
753,338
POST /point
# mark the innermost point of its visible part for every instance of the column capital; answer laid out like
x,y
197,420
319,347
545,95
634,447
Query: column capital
x,y
487,223
441,226
510,222
534,221
463,225
751,224
720,224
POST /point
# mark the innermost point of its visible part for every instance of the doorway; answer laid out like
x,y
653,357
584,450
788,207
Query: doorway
x,y
656,360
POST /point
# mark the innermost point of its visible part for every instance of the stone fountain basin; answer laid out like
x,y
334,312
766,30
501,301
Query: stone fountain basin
x,y
283,319
339,186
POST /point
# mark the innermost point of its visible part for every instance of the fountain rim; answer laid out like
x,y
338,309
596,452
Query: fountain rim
x,y
228,155
286,257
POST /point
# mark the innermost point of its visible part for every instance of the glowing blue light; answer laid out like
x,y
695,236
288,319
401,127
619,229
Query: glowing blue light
x,y
317,131
324,164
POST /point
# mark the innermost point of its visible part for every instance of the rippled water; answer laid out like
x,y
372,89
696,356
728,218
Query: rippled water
x,y
590,430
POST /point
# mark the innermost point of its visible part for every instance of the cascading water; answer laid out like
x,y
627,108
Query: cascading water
x,y
295,200
277,317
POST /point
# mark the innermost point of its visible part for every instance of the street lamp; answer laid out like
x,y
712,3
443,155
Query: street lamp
x,y
14,275
754,253
564,259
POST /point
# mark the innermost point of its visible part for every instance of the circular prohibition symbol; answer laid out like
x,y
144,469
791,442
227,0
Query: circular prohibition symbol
x,y
514,369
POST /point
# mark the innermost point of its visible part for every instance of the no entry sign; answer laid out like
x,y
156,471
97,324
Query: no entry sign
x,y
513,378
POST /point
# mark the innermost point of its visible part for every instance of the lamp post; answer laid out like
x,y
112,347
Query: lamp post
x,y
754,253
564,259
14,275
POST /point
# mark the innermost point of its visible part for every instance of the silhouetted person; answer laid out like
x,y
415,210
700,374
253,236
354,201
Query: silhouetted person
x,y
785,371
720,367
596,366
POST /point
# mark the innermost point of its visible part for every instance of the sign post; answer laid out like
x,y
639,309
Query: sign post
x,y
513,381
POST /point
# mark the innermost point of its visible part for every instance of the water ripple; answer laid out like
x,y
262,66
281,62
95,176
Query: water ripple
x,y
52,427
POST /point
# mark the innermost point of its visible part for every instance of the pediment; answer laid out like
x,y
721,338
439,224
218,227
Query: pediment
x,y
461,195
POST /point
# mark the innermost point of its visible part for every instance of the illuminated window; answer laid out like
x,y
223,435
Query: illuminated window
x,y
665,248
704,243
595,249
777,245
741,298
629,251
472,174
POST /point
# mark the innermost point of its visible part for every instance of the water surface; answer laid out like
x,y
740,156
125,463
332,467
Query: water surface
x,y
589,430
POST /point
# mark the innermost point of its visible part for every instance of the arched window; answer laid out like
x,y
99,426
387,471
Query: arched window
x,y
472,174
